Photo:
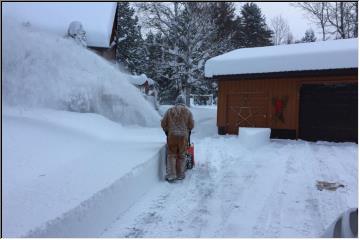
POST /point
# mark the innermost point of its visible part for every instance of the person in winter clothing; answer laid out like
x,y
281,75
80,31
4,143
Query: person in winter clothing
x,y
177,124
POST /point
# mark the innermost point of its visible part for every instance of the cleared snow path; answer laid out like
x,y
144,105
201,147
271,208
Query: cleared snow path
x,y
238,192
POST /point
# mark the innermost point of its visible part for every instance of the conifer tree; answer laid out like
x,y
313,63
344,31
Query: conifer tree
x,y
223,15
129,49
309,36
252,29
152,55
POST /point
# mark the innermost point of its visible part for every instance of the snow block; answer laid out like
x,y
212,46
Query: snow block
x,y
254,137
92,216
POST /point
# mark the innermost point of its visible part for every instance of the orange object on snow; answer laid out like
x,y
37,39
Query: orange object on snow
x,y
190,158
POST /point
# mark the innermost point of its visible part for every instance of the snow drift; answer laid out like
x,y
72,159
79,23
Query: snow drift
x,y
68,174
44,70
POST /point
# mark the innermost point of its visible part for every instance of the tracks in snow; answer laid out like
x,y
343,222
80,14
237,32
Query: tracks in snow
x,y
267,192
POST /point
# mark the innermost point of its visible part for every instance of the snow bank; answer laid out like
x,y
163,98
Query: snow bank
x,y
204,121
335,54
254,137
94,215
71,174
43,70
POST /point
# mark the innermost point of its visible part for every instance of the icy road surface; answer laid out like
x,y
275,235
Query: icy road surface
x,y
240,192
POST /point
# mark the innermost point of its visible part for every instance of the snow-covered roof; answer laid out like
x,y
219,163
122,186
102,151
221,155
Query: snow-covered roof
x,y
97,18
140,79
335,54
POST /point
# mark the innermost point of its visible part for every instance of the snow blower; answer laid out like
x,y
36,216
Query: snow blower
x,y
189,155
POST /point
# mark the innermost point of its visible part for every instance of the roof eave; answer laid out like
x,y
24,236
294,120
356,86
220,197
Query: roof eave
x,y
303,73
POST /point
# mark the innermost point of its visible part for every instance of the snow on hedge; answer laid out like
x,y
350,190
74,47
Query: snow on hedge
x,y
335,54
44,70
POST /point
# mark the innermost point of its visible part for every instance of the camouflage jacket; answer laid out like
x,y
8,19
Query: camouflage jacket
x,y
178,121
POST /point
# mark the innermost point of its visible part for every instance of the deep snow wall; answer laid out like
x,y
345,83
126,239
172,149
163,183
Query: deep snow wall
x,y
44,70
94,215
72,174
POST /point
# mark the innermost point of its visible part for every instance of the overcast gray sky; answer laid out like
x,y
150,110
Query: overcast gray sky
x,y
295,17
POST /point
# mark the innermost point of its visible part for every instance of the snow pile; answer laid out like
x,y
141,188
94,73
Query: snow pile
x,y
43,70
71,174
205,122
141,79
254,137
97,18
335,54
77,32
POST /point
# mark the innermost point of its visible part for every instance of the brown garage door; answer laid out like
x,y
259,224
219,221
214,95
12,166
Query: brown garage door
x,y
246,109
328,112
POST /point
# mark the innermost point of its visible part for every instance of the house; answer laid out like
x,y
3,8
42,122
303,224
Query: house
x,y
307,91
108,50
97,18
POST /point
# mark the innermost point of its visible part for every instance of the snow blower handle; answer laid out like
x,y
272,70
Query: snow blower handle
x,y
189,143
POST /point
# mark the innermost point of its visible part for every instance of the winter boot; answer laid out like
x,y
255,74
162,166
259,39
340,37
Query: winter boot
x,y
170,178
181,177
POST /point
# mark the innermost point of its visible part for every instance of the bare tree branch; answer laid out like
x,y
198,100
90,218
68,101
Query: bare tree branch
x,y
280,29
316,12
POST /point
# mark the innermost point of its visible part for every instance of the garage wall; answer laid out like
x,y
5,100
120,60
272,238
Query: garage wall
x,y
236,94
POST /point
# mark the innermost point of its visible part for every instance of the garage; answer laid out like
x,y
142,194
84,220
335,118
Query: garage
x,y
329,112
301,91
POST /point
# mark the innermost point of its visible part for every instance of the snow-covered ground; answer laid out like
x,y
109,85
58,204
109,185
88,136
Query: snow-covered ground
x,y
58,166
237,192
73,174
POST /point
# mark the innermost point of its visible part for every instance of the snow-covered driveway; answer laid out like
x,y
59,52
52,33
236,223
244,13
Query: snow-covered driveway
x,y
238,192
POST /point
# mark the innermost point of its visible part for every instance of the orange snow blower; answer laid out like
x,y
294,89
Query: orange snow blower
x,y
189,155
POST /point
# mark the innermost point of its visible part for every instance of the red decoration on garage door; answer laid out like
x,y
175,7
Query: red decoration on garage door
x,y
279,104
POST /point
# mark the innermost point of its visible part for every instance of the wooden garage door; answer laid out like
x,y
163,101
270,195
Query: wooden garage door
x,y
328,112
246,109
